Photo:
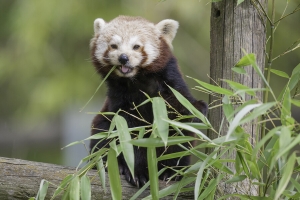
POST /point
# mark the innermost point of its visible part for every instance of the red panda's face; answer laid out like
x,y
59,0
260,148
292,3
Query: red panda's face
x,y
129,43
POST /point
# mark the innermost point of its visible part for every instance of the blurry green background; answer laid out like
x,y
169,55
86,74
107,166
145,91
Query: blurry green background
x,y
46,74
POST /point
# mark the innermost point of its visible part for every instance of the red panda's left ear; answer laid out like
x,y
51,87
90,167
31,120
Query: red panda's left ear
x,y
98,25
168,29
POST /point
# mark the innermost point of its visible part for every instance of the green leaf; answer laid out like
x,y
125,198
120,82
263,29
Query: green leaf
x,y
239,2
236,179
126,146
42,190
172,155
292,144
159,113
214,88
211,186
237,120
239,70
157,142
85,188
114,177
245,60
227,108
261,110
296,70
295,102
191,108
152,169
286,176
280,73
189,128
101,172
296,184
74,192
62,185
73,143
237,86
286,108
262,142
295,77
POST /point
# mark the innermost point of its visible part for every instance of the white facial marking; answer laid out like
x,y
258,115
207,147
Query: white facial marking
x,y
116,40
152,53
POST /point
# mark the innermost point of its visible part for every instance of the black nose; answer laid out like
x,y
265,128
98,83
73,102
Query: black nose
x,y
123,59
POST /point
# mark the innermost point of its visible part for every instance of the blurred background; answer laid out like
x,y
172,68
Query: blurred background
x,y
46,74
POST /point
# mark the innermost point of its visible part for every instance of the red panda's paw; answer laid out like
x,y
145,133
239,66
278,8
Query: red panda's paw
x,y
140,178
169,174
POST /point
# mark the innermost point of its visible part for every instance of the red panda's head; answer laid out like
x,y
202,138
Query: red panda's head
x,y
130,43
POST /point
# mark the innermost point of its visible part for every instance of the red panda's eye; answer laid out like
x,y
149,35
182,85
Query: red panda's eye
x,y
114,46
136,47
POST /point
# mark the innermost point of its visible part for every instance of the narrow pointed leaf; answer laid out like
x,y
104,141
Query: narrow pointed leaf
x,y
157,142
286,176
114,177
126,146
159,113
153,172
85,188
74,192
42,190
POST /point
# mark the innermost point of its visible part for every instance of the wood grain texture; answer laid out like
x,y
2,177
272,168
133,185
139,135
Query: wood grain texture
x,y
234,28
20,179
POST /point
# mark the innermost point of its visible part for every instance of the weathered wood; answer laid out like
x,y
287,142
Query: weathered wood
x,y
234,28
20,179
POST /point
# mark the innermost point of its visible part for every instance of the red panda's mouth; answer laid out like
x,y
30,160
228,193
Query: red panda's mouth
x,y
125,69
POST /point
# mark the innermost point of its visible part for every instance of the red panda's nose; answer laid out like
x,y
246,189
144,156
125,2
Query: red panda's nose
x,y
123,59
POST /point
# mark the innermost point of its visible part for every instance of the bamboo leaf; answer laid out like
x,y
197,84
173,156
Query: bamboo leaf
x,y
74,192
126,146
101,172
295,102
85,188
237,120
159,113
237,86
114,177
245,60
152,168
189,128
286,176
280,73
62,185
239,70
214,88
157,142
191,108
286,108
236,179
42,190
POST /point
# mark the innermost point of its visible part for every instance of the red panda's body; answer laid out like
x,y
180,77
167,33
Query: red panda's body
x,y
142,53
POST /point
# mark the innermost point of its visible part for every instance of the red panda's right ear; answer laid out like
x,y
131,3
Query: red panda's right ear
x,y
98,25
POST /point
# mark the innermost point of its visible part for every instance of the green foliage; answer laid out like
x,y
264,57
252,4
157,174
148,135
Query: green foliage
x,y
272,163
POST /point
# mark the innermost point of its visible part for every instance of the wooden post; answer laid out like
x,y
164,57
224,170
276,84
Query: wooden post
x,y
233,28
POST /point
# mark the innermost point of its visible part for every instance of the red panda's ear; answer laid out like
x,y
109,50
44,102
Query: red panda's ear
x,y
168,29
98,25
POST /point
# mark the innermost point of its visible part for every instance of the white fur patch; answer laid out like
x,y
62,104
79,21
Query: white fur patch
x,y
116,39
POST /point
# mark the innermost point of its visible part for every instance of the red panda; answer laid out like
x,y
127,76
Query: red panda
x,y
142,52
